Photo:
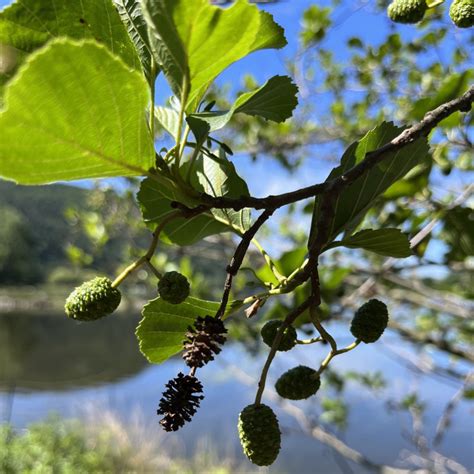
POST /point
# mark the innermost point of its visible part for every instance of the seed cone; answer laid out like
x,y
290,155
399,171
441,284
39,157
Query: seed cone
x,y
259,434
93,300
203,340
407,11
270,330
461,13
173,287
298,383
370,321
180,401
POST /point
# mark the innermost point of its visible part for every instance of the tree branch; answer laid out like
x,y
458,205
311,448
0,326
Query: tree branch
x,y
422,128
238,258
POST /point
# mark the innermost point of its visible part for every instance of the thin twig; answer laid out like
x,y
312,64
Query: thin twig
x,y
238,258
287,321
409,135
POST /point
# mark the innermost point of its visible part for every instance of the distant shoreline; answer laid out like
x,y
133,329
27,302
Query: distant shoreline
x,y
32,299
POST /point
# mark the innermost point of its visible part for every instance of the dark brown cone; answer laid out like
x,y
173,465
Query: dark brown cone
x,y
203,340
180,401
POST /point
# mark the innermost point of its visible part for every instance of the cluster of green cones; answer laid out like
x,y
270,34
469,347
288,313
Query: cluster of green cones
x,y
413,11
258,426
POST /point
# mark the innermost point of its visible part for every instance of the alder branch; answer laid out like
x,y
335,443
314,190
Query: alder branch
x,y
411,134
276,342
239,256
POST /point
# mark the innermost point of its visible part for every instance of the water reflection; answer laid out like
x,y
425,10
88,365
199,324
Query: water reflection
x,y
51,352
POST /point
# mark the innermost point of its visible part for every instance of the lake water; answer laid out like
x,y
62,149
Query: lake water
x,y
51,364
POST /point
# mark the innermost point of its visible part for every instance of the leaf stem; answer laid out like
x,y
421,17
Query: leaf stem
x,y
269,261
149,254
313,340
271,355
332,354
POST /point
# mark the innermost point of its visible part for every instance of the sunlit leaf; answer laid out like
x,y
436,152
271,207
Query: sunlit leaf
x,y
195,41
275,101
27,25
75,111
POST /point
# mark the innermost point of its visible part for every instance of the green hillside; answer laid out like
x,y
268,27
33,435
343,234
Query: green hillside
x,y
34,229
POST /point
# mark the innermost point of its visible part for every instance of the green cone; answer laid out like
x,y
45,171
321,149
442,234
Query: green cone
x,y
259,434
462,13
173,287
270,330
407,11
93,300
298,383
370,321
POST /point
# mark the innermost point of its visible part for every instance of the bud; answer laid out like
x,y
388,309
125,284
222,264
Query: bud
x,y
407,11
370,321
462,13
259,434
269,332
92,300
298,383
173,287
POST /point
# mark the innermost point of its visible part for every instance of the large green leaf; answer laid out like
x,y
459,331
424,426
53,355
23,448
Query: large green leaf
x,y
195,41
74,111
27,25
357,198
388,242
161,331
131,13
275,101
215,176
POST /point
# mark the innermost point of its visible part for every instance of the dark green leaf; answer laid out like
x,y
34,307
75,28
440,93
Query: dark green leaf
x,y
216,176
357,198
275,101
387,242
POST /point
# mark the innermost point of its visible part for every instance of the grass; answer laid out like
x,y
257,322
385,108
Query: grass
x,y
102,443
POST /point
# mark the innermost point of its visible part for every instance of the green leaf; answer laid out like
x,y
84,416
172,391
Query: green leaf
x,y
27,25
216,176
291,260
74,111
168,118
194,41
275,101
388,242
161,331
130,12
155,203
357,198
